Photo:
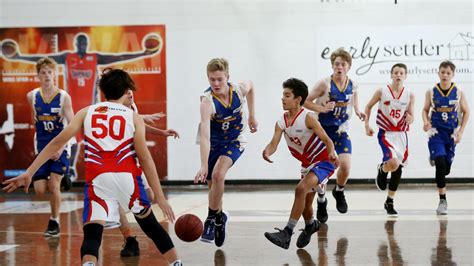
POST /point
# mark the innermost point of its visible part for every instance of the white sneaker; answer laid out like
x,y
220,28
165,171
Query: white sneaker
x,y
442,207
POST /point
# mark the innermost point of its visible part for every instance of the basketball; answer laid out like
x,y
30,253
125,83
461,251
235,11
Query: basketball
x,y
152,43
9,48
188,227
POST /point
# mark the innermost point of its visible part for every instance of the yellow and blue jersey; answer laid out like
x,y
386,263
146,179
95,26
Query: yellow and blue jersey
x,y
227,120
444,107
343,102
47,114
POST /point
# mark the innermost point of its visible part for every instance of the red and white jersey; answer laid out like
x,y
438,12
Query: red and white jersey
x,y
304,145
81,79
391,115
109,132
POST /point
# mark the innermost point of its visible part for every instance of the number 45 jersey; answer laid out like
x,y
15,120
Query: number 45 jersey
x,y
109,147
391,113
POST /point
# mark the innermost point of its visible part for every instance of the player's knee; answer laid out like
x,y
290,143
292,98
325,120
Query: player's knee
x,y
218,176
300,189
92,239
448,167
392,165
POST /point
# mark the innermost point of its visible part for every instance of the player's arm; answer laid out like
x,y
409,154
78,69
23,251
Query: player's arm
x,y
148,166
59,58
409,112
273,145
151,118
368,108
426,111
248,91
205,139
52,147
167,133
319,89
66,113
29,98
357,111
313,124
465,116
105,59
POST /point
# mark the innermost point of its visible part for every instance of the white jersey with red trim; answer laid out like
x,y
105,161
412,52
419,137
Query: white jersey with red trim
x,y
109,132
391,115
304,145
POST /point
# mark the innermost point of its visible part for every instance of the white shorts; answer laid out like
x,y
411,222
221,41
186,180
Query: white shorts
x,y
394,144
109,190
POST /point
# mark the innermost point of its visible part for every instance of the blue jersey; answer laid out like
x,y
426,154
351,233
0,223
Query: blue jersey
x,y
227,121
444,107
47,113
343,103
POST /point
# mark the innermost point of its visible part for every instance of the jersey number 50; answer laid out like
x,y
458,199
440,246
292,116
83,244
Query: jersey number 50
x,y
100,129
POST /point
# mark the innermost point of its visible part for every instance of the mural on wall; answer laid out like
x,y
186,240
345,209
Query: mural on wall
x,y
81,53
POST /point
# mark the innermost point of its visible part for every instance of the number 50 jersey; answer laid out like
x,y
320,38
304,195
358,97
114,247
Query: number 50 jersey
x,y
109,147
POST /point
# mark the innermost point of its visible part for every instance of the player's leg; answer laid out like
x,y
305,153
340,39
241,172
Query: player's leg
x,y
438,154
282,238
322,212
344,150
399,152
311,225
130,246
382,171
153,229
91,243
55,203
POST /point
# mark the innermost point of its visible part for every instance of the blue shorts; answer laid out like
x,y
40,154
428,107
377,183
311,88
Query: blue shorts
x,y
342,142
59,167
233,150
323,170
442,144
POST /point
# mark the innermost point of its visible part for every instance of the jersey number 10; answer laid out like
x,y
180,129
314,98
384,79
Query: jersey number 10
x,y
100,129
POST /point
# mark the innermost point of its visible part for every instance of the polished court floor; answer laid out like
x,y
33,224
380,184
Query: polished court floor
x,y
363,236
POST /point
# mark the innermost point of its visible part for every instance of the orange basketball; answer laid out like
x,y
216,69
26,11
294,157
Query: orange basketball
x,y
9,48
152,42
188,227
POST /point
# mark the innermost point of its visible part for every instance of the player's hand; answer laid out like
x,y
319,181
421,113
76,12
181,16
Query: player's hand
x,y
23,180
150,119
369,131
266,156
172,133
409,118
361,115
457,137
426,126
334,159
201,176
253,124
56,156
329,106
166,209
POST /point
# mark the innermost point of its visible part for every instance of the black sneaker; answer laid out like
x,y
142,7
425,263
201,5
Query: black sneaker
x,y
208,234
341,204
53,229
305,236
220,230
390,210
381,180
281,238
322,212
130,247
66,183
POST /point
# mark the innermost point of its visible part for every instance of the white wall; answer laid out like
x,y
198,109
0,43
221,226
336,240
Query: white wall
x,y
269,41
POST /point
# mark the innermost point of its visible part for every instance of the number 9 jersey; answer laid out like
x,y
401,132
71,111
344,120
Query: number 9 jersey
x,y
109,131
444,107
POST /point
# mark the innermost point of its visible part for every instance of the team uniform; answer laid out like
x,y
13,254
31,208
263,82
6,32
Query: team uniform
x,y
444,121
306,146
48,124
393,127
227,126
112,174
81,75
336,122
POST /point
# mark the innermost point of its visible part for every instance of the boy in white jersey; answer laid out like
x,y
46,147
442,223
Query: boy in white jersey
x,y
394,115
131,246
115,136
309,143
